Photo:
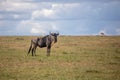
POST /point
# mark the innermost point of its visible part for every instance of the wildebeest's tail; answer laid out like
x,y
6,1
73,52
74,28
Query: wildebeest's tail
x,y
30,47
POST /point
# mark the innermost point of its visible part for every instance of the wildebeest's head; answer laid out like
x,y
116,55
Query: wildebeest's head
x,y
54,36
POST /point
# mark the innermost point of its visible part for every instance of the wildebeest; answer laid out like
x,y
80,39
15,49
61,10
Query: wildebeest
x,y
46,41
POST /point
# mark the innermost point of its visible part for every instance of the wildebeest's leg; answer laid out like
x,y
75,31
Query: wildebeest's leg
x,y
35,50
32,51
48,50
30,48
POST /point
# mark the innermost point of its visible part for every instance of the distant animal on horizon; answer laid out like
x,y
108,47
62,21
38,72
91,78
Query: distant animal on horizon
x,y
102,34
46,41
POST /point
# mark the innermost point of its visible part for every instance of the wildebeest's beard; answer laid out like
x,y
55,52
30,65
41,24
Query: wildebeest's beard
x,y
55,39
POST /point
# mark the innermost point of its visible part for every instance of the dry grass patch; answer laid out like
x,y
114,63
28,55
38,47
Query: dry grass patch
x,y
72,58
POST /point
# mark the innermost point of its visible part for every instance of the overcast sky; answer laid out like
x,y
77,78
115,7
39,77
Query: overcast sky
x,y
69,17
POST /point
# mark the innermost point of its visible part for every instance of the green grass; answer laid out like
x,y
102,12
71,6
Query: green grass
x,y
72,58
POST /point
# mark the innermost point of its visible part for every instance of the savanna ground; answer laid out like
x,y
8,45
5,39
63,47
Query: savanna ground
x,y
72,58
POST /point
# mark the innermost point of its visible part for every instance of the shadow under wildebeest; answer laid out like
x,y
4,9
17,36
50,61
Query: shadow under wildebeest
x,y
46,41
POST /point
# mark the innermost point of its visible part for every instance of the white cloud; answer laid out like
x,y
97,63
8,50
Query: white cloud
x,y
36,27
16,16
65,5
54,27
118,31
42,13
43,28
37,30
17,6
55,11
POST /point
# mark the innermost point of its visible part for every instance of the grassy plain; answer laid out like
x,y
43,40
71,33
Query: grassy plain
x,y
72,58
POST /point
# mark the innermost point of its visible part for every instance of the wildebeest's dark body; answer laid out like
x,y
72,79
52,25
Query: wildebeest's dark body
x,y
46,41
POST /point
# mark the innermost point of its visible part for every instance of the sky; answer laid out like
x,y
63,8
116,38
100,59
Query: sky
x,y
68,17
